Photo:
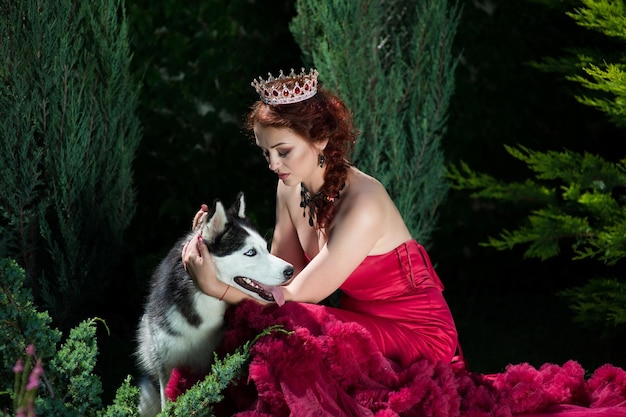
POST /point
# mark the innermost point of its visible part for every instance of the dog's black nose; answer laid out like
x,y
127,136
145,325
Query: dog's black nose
x,y
288,272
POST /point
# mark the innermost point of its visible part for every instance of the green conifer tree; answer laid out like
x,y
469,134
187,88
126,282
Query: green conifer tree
x,y
68,138
392,63
580,197
68,386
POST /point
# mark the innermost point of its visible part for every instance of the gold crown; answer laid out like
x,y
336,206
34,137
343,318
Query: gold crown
x,y
286,89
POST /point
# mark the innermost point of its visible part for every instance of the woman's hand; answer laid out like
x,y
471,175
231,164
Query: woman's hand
x,y
200,266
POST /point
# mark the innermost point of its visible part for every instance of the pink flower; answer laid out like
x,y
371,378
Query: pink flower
x,y
38,370
30,350
33,378
33,382
19,366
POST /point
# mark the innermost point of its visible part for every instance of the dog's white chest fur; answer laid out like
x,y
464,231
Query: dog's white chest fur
x,y
195,345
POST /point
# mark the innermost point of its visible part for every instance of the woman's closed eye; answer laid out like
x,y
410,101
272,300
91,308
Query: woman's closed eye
x,y
281,154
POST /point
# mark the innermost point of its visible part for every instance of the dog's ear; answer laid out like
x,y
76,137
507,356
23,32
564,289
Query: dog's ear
x,y
239,207
216,224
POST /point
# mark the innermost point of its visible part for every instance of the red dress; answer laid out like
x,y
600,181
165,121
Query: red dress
x,y
387,353
398,298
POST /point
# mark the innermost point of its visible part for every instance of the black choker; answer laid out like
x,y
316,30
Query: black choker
x,y
313,202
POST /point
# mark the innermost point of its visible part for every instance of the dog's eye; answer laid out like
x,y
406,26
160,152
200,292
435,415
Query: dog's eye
x,y
251,252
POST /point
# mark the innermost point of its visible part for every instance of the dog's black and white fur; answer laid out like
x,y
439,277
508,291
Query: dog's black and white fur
x,y
182,326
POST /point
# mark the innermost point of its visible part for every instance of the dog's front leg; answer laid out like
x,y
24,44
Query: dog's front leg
x,y
162,384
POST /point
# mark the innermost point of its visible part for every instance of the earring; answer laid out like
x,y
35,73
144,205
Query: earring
x,y
321,159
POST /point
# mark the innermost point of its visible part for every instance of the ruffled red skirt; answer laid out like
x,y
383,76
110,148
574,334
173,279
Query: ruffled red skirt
x,y
328,367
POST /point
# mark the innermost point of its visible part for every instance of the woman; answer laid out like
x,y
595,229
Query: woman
x,y
388,349
338,227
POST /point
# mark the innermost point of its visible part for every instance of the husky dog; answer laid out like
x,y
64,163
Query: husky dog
x,y
182,326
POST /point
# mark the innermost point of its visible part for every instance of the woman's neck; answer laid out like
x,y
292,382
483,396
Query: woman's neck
x,y
314,185
312,203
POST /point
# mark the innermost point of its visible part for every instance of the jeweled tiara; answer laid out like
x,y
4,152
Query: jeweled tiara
x,y
286,89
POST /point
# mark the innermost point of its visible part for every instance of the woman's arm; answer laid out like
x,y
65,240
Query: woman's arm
x,y
356,229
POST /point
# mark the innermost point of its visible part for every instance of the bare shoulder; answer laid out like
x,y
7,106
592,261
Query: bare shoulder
x,y
368,206
366,191
364,202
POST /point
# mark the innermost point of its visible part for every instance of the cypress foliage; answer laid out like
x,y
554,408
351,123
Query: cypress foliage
x,y
580,198
392,63
68,386
69,136
200,398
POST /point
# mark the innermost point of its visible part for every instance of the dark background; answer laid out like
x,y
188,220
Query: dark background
x,y
506,307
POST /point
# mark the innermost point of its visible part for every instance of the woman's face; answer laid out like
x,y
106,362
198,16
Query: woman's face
x,y
288,154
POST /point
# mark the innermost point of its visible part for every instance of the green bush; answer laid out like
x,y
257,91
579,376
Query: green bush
x,y
392,62
68,138
68,386
576,198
